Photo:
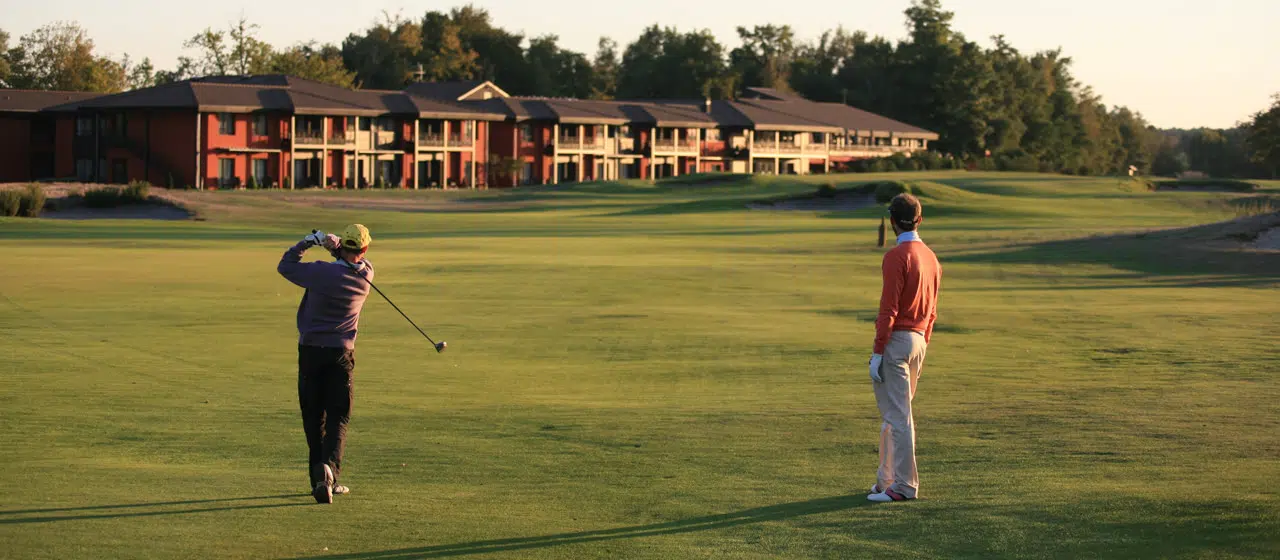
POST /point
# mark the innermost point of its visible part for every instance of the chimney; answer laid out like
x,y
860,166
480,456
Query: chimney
x,y
706,106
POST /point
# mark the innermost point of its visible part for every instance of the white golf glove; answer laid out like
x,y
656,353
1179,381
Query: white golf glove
x,y
876,359
316,237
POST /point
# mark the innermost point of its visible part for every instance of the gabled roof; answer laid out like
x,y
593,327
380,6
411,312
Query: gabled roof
x,y
30,101
452,91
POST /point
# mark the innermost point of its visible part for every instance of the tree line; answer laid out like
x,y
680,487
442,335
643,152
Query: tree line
x,y
993,106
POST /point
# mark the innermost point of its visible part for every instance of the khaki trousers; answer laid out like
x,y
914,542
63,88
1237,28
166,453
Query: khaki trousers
x,y
900,369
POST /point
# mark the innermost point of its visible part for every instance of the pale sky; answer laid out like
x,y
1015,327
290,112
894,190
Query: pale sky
x,y
1181,63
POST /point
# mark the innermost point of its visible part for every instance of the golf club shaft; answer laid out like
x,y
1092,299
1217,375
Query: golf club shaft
x,y
406,317
438,347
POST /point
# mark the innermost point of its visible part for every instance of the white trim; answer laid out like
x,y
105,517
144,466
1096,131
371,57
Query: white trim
x,y
481,86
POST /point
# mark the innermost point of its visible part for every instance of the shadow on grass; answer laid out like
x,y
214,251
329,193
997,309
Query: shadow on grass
x,y
1201,256
693,524
82,513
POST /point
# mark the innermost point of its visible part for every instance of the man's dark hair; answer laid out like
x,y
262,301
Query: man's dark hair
x,y
905,211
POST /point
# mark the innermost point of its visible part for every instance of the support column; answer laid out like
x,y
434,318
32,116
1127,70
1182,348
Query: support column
x,y
198,181
555,154
515,154
697,156
324,153
473,154
751,151
444,165
293,143
417,129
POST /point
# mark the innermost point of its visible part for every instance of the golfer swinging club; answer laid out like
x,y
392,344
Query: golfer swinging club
x,y
327,320
908,309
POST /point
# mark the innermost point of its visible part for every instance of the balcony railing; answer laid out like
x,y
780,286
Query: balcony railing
x,y
851,148
309,138
460,141
348,137
815,148
587,142
431,140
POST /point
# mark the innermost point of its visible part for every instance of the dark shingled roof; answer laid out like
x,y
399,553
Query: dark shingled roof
x,y
575,111
771,94
517,109
28,101
781,115
676,113
275,92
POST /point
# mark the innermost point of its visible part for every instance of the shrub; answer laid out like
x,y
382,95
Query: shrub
x,y
10,202
288,182
887,190
102,197
380,183
827,190
1017,160
33,201
253,182
138,192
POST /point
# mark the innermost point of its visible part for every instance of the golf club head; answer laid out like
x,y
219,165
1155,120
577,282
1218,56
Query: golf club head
x,y
440,346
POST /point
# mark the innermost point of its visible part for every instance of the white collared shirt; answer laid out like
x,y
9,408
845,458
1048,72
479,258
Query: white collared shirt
x,y
908,236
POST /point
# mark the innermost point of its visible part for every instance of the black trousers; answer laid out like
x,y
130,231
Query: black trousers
x,y
324,393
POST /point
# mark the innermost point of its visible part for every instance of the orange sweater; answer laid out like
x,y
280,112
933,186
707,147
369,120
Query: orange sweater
x,y
909,302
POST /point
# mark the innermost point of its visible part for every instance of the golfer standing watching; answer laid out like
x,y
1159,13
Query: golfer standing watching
x,y
327,320
908,309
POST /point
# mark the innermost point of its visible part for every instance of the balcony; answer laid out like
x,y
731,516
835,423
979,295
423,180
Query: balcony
x,y
430,140
387,141
815,148
587,143
307,138
456,141
262,143
340,138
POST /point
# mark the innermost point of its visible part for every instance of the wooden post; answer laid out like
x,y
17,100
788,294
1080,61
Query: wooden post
x,y
751,151
444,165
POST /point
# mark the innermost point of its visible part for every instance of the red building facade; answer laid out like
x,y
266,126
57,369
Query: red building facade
x,y
284,132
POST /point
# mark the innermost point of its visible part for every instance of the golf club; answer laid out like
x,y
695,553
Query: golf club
x,y
439,346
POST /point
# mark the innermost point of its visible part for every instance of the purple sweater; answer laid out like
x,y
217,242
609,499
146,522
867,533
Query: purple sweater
x,y
330,308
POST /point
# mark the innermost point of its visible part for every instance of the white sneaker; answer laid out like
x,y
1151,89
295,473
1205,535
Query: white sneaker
x,y
888,496
323,491
339,490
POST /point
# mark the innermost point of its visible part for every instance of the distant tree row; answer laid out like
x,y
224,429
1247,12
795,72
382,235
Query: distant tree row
x,y
995,106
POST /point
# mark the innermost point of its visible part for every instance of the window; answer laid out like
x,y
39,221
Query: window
x,y
526,174
84,170
487,94
84,127
526,133
624,131
260,125
385,123
260,170
226,123
226,171
364,123
817,138
119,125
713,135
